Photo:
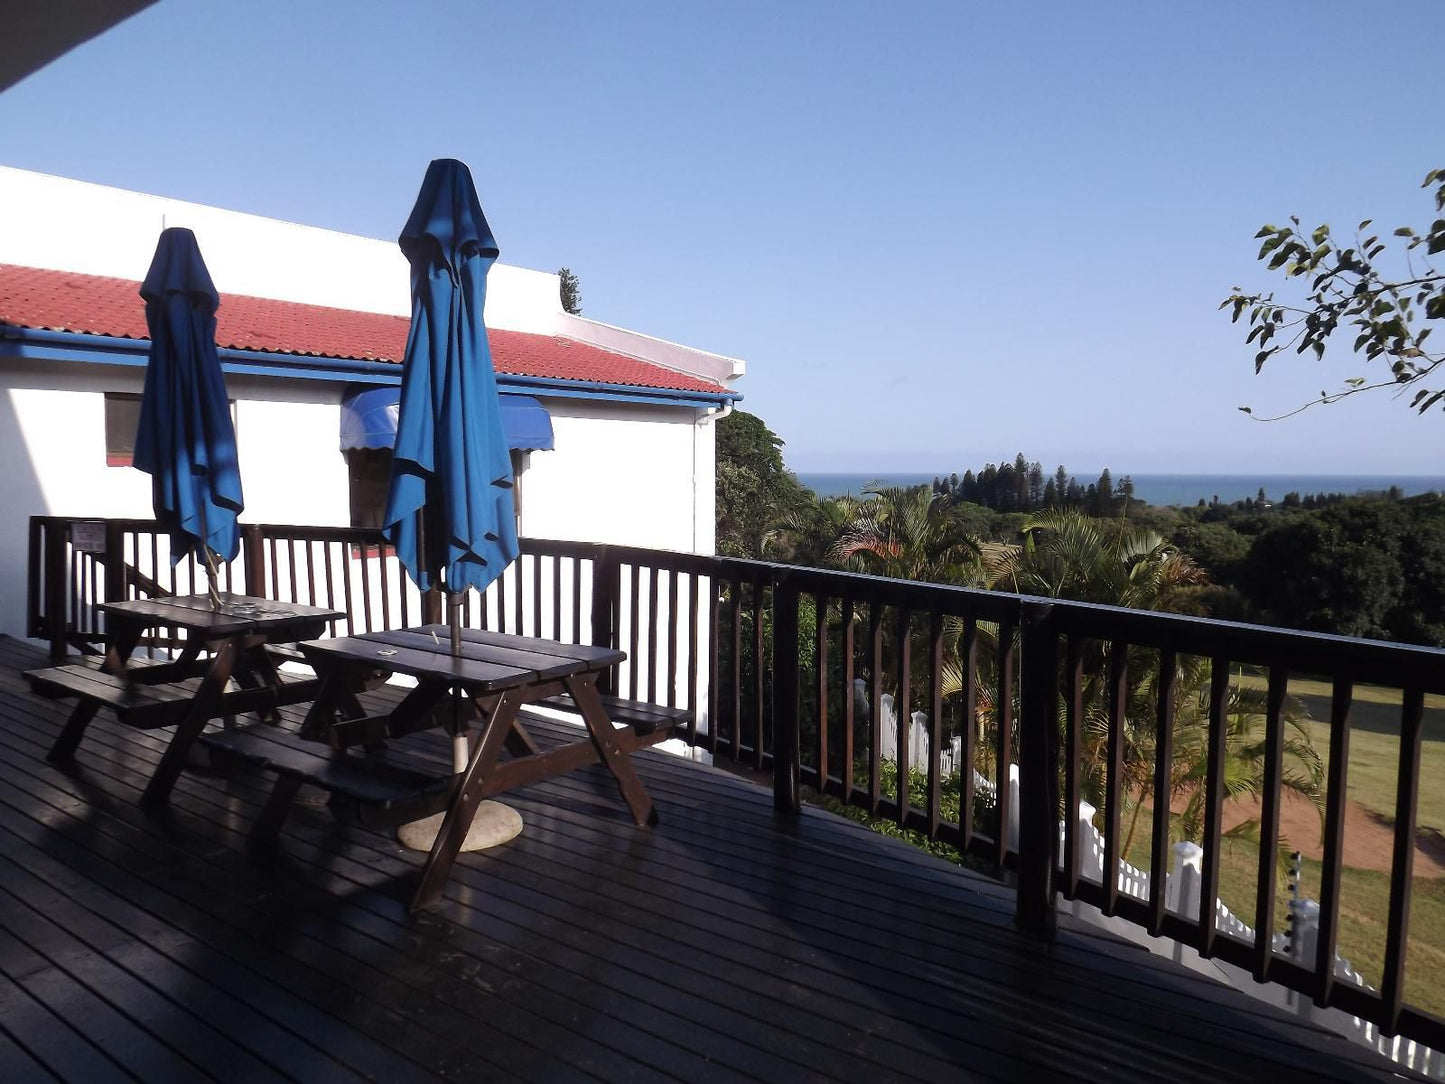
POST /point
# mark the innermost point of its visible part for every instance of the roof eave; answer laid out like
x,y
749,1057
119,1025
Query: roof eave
x,y
47,345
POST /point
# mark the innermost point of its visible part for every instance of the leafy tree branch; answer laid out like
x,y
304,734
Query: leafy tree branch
x,y
1390,312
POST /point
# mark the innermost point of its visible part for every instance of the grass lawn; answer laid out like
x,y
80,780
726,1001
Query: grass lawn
x,y
1364,905
1375,746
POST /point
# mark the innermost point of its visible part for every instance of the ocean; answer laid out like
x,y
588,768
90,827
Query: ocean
x,y
1166,489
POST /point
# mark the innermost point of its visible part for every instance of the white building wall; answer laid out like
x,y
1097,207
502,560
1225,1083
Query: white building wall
x,y
622,474
635,475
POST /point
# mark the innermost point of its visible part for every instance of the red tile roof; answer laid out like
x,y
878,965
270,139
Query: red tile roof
x,y
92,305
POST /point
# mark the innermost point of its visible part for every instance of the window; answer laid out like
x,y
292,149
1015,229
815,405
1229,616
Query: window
x,y
122,419
370,474
369,471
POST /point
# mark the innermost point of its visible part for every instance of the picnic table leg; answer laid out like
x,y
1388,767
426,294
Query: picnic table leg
x,y
123,641
259,670
334,694
583,689
468,796
64,747
203,708
267,829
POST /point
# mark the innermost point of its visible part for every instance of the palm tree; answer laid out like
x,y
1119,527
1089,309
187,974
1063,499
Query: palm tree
x,y
1068,555
908,534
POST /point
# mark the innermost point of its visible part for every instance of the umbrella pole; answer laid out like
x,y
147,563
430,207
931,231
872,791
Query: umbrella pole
x,y
461,749
211,573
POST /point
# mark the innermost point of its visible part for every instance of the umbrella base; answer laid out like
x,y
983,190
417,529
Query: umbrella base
x,y
494,824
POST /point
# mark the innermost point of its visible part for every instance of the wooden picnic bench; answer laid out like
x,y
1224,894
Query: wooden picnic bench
x,y
241,675
360,757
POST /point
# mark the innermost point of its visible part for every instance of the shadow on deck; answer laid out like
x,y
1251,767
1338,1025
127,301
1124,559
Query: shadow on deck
x,y
722,944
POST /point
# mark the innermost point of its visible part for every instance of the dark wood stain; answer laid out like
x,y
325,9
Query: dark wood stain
x,y
723,944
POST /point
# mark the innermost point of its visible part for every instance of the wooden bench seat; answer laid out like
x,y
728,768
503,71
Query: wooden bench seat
x,y
372,781
641,717
138,705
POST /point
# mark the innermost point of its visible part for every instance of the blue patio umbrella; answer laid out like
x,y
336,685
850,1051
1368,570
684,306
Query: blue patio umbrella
x,y
450,512
185,440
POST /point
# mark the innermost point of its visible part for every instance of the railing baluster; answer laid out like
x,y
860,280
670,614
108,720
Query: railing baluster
x,y
652,634
385,589
820,656
760,742
501,583
634,632
402,592
1038,770
310,574
935,724
968,730
694,701
557,632
1073,742
786,741
518,608
1402,868
366,584
1163,789
714,680
849,698
291,564
346,588
1114,786
1270,799
275,569
902,715
1214,800
537,595
736,614
1336,804
577,600
672,638
875,704
1004,739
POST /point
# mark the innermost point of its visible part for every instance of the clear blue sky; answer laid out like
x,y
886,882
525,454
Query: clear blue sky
x,y
938,233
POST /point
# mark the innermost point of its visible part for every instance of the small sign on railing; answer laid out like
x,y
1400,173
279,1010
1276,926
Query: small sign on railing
x,y
88,536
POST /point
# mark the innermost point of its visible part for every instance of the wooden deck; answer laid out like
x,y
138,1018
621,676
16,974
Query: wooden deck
x,y
720,945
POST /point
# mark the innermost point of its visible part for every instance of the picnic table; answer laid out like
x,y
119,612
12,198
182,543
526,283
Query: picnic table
x,y
352,754
240,675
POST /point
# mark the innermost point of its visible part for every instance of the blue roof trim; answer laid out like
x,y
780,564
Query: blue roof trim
x,y
42,345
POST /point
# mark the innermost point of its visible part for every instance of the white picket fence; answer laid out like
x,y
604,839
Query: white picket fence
x,y
1181,897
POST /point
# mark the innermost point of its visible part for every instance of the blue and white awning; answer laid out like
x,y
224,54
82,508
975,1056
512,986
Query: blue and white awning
x,y
369,413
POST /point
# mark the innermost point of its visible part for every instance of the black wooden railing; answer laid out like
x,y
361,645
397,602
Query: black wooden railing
x,y
768,658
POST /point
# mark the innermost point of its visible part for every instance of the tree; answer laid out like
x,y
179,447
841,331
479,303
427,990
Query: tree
x,y
1391,311
1105,494
756,494
908,534
571,292
1074,556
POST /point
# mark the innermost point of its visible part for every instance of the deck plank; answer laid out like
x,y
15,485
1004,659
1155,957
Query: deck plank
x,y
724,944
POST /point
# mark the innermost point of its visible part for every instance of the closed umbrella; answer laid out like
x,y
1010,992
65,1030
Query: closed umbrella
x,y
185,440
450,512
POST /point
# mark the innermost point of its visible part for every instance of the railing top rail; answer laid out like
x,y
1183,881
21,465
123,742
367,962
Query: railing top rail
x,y
1358,659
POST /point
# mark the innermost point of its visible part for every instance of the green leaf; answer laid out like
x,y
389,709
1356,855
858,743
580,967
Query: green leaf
x,y
1246,410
